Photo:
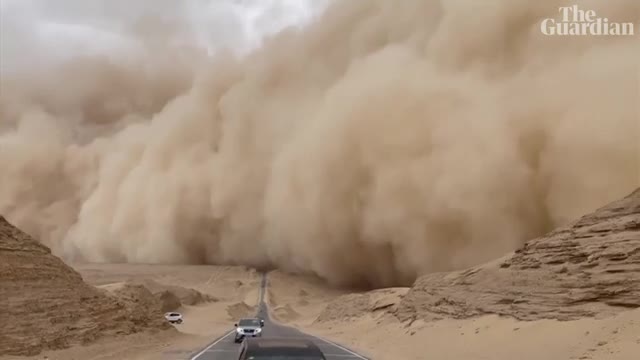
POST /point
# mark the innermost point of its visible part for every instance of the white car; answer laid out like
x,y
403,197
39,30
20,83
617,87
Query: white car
x,y
173,317
250,327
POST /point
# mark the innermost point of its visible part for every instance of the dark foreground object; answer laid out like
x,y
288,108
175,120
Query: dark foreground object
x,y
280,348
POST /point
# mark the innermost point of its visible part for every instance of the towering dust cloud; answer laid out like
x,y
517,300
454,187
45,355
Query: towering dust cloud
x,y
382,141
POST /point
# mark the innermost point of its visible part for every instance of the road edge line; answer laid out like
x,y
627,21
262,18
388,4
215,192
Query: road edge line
x,y
355,354
214,343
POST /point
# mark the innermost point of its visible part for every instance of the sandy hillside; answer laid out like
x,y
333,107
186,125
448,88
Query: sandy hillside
x,y
212,297
384,337
572,294
588,268
47,306
298,300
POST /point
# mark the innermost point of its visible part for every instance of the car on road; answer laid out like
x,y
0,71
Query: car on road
x,y
248,327
279,349
173,317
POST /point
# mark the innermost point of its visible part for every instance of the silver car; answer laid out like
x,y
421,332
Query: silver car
x,y
249,327
173,317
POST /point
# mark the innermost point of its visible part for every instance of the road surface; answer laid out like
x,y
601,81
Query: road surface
x,y
224,348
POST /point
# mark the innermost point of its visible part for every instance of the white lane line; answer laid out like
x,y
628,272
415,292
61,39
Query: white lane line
x,y
340,347
265,292
212,345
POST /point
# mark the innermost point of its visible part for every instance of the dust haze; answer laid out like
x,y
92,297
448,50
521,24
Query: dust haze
x,y
382,141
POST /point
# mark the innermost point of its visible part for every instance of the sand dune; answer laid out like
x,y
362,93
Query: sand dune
x,y
234,290
307,296
488,337
171,297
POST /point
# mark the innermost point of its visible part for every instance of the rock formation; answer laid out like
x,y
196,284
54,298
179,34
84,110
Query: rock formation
x,y
589,268
47,305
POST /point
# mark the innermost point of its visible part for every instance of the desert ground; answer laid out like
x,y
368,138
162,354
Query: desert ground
x,y
573,295
232,292
372,331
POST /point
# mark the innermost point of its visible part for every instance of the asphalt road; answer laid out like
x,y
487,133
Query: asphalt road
x,y
224,348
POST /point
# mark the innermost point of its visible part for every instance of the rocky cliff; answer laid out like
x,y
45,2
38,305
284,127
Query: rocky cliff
x,y
590,268
46,304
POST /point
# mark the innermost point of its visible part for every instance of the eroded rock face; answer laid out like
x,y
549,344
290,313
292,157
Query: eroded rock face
x,y
185,296
590,268
46,305
357,305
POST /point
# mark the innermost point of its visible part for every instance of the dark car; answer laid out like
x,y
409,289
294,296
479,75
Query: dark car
x,y
250,327
279,349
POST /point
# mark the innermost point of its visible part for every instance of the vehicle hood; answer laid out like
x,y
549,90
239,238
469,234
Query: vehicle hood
x,y
249,327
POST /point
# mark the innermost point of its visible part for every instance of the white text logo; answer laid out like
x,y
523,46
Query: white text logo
x,y
577,22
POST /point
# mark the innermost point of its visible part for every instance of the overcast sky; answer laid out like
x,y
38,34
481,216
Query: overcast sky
x,y
35,30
